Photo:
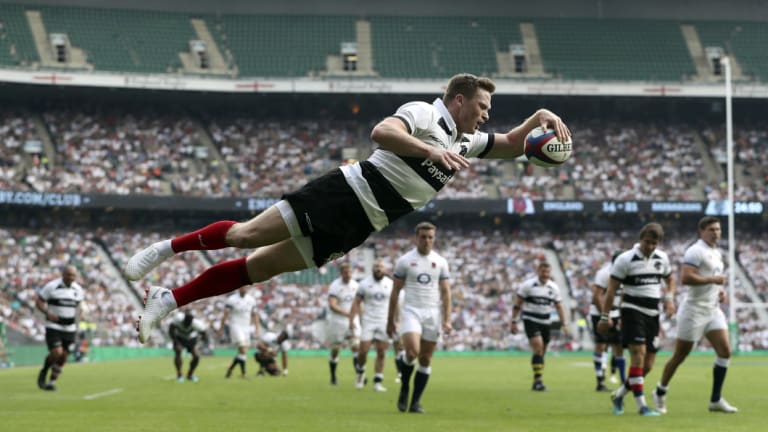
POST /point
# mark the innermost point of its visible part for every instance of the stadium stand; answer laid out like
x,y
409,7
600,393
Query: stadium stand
x,y
408,47
17,48
281,46
124,40
614,50
742,40
402,47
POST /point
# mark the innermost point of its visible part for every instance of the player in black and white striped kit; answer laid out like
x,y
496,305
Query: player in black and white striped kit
x,y
645,275
421,147
537,297
59,300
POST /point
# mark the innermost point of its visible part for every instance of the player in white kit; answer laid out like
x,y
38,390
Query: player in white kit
x,y
371,305
426,311
241,315
342,328
700,314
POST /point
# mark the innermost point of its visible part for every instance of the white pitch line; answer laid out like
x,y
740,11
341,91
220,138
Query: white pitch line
x,y
102,394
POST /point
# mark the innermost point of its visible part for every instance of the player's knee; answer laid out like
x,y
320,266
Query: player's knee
x,y
239,234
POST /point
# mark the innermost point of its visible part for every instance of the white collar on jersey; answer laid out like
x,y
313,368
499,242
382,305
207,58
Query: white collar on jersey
x,y
443,110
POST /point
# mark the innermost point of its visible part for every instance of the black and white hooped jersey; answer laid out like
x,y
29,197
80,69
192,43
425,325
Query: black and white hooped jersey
x,y
708,262
421,275
345,295
240,309
64,302
642,278
389,185
375,296
539,299
601,280
270,339
187,332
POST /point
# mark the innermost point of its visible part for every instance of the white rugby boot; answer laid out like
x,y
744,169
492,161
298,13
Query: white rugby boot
x,y
723,406
147,259
155,309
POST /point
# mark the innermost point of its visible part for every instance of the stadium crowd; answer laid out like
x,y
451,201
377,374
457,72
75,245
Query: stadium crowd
x,y
140,152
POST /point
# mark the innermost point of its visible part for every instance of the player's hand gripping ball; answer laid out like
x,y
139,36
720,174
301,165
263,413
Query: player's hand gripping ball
x,y
544,149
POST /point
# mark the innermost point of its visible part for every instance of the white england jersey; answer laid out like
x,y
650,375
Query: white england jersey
x,y
193,330
709,262
642,278
539,299
602,277
422,274
345,295
240,309
375,297
415,180
63,301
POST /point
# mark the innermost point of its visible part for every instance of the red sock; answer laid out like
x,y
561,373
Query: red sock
x,y
636,380
222,278
212,237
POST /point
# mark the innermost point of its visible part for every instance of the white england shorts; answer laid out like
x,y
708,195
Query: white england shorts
x,y
425,321
694,322
338,333
374,330
240,336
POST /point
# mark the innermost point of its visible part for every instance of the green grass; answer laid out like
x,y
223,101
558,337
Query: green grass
x,y
464,394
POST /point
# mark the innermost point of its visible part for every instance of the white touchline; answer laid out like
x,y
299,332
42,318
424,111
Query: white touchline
x,y
104,393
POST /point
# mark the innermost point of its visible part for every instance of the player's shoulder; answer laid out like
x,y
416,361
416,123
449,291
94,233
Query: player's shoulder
x,y
439,257
410,255
699,246
661,254
417,106
529,282
199,324
53,283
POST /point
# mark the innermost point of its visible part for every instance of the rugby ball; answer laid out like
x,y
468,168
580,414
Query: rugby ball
x,y
542,148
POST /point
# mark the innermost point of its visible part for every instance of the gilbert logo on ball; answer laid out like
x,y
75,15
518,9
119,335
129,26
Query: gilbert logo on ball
x,y
544,149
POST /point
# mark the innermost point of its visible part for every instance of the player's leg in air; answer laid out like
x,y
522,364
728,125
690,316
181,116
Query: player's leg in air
x,y
276,253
